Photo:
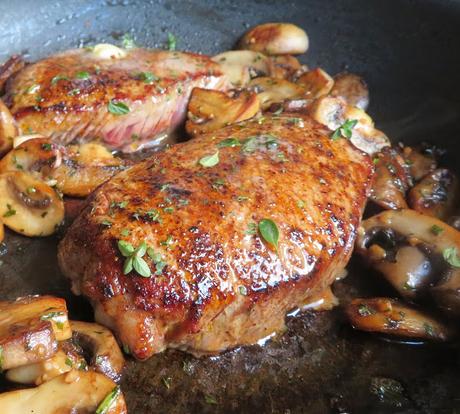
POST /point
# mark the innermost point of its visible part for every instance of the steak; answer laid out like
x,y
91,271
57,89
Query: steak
x,y
215,281
67,96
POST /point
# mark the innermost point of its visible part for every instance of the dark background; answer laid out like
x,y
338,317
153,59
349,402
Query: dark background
x,y
408,51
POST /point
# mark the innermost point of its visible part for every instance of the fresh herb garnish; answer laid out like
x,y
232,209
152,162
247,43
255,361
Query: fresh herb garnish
x,y
147,77
157,260
229,142
46,146
69,362
210,399
172,42
134,258
125,232
167,382
252,229
32,89
127,41
108,401
106,223
117,108
436,230
57,78
344,130
258,142
428,329
450,256
10,212
243,290
74,92
210,160
269,232
241,198
365,310
82,75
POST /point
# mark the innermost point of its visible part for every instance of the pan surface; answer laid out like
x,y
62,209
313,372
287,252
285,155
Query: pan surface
x,y
408,53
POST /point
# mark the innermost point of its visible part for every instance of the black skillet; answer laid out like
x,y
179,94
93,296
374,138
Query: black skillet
x,y
408,52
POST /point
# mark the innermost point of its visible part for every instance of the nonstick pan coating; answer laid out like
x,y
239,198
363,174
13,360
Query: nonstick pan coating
x,y
408,53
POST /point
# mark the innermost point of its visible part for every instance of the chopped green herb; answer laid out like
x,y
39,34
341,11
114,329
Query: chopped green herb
x,y
31,190
141,267
169,240
82,75
258,142
69,362
126,249
375,160
450,256
210,399
74,92
243,290
106,223
134,258
241,198
127,41
172,42
436,230
428,329
10,212
210,160
183,202
269,231
125,232
32,89
167,382
169,209
365,310
229,142
252,229
344,130
117,108
46,146
147,77
164,187
57,78
108,401
218,183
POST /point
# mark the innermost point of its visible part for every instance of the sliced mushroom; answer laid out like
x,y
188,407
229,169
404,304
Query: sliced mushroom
x,y
270,90
447,293
275,39
35,374
392,180
72,392
284,67
29,206
108,51
29,329
435,238
392,317
240,66
209,110
352,89
8,129
99,342
75,170
335,113
317,83
13,65
421,161
299,105
436,194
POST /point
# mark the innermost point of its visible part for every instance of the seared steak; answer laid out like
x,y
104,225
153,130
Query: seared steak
x,y
216,283
67,96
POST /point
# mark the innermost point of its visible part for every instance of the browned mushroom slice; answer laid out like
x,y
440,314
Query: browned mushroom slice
x,y
75,170
391,317
13,65
392,180
284,67
64,360
381,236
29,328
8,129
352,89
72,392
209,110
29,206
436,194
421,161
99,342
270,90
316,82
240,66
275,39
